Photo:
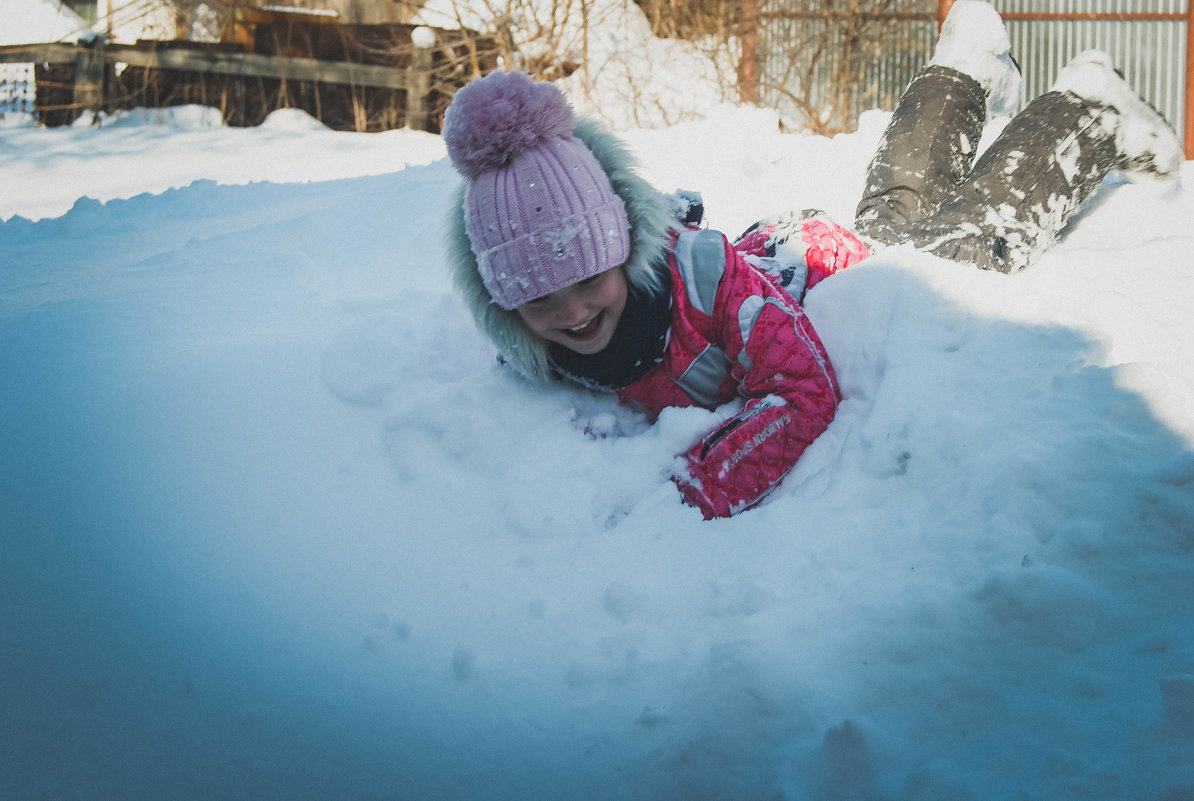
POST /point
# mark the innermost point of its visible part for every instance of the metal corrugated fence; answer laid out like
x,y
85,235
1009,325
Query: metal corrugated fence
x,y
807,47
1151,53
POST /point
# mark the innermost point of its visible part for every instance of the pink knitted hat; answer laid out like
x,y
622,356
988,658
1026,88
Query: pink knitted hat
x,y
539,211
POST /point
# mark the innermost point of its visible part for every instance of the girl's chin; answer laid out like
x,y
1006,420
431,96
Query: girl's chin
x,y
586,348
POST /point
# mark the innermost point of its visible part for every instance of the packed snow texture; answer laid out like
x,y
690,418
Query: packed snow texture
x,y
274,524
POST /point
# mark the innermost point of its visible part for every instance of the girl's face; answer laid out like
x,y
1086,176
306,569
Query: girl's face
x,y
581,317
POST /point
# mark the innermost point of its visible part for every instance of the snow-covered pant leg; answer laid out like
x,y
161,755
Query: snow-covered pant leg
x,y
1024,188
926,150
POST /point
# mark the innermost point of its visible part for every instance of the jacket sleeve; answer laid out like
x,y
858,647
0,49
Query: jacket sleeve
x,y
780,367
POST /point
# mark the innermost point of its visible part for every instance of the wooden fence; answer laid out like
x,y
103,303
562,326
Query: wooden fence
x,y
73,79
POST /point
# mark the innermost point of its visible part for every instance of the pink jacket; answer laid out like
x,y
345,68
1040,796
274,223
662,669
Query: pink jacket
x,y
736,333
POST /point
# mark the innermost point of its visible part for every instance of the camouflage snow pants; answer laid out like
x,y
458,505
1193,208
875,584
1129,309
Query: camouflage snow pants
x,y
1006,209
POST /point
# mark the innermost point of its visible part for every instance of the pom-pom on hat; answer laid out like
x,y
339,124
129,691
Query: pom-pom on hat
x,y
539,211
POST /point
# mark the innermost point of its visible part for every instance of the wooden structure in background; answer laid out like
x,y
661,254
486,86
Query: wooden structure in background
x,y
350,77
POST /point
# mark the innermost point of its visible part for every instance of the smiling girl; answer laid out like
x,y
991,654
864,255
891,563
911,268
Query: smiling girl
x,y
578,270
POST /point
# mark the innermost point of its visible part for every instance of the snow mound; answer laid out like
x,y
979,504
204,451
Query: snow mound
x,y
292,120
266,493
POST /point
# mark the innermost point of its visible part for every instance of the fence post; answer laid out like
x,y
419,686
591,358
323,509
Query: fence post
x,y
89,77
748,66
418,79
943,7
1189,133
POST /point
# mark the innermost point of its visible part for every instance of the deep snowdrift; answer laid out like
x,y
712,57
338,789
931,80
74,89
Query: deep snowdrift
x,y
273,524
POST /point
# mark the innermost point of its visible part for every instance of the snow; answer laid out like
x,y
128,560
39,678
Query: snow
x,y
275,525
152,150
28,21
973,41
1140,131
422,37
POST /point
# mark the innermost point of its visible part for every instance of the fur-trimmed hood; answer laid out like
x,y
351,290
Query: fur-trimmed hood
x,y
650,216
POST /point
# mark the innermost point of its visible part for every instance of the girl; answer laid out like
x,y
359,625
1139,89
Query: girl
x,y
578,270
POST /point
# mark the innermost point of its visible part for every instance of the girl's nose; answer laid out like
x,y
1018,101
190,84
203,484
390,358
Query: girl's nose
x,y
571,310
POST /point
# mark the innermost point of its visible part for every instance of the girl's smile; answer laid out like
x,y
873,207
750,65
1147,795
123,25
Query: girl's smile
x,y
582,316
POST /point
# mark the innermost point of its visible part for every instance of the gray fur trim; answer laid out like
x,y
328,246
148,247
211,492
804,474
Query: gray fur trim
x,y
650,219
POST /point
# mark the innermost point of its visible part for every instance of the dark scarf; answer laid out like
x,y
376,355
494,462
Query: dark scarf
x,y
637,345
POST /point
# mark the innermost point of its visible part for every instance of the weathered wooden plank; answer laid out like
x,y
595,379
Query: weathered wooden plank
x,y
418,85
89,79
253,65
49,53
241,64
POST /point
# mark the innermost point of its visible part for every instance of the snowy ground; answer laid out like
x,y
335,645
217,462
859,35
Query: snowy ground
x,y
273,524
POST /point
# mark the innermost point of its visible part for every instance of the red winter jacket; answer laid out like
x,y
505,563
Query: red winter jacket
x,y
736,333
